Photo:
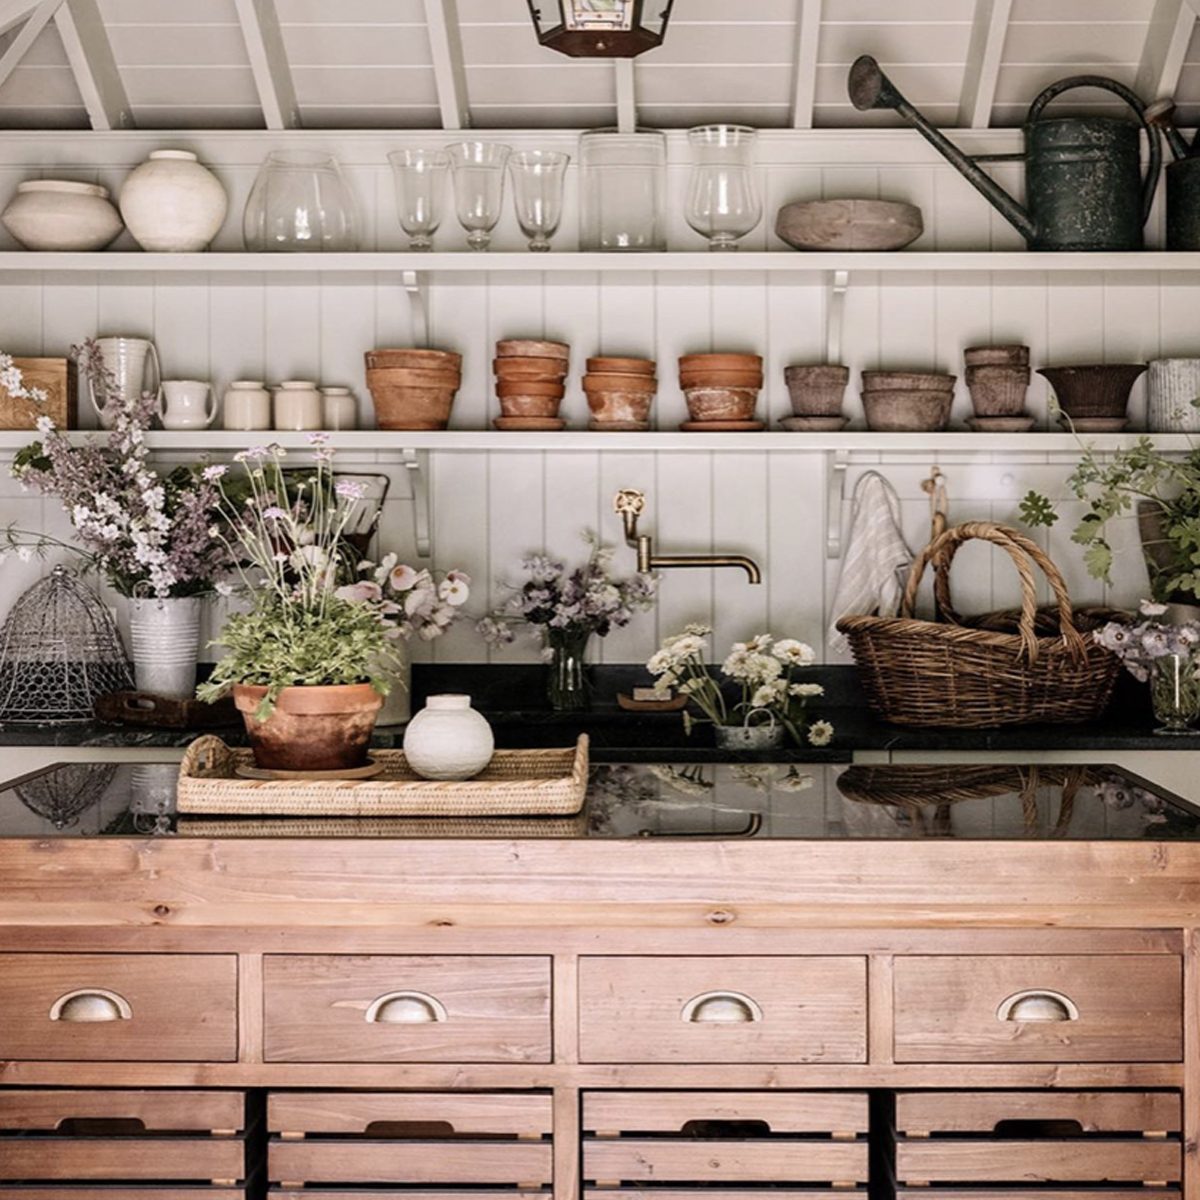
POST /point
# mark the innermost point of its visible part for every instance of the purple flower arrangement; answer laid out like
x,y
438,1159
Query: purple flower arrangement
x,y
1138,646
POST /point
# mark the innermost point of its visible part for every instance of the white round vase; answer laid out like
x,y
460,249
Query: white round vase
x,y
171,204
448,739
60,214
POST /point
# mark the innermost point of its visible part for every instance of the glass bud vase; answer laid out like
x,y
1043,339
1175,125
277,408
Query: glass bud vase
x,y
1175,693
566,684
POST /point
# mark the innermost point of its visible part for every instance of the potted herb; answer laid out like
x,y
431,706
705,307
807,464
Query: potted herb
x,y
308,662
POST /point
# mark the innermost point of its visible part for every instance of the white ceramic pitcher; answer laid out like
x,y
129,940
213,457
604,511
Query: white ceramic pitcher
x,y
186,404
126,359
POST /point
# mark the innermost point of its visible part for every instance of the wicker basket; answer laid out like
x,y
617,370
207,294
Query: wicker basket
x,y
949,674
514,783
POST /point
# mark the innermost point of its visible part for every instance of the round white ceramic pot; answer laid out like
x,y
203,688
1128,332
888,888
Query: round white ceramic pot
x,y
448,739
171,204
247,405
60,214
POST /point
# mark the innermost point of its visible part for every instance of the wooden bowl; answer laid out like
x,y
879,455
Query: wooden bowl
x,y
621,366
521,348
907,412
849,224
424,359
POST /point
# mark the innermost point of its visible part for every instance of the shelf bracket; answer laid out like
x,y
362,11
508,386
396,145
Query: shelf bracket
x,y
416,462
839,282
836,464
418,310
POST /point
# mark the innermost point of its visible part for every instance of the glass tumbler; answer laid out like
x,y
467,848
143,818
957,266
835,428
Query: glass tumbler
x,y
420,178
299,201
537,179
478,169
1175,693
623,185
722,201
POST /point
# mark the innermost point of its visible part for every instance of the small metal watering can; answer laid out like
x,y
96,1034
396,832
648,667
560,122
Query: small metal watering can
x,y
1083,178
1183,179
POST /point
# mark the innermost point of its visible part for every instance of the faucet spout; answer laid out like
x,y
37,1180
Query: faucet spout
x,y
664,562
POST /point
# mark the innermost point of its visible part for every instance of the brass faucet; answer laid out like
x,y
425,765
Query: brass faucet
x,y
630,503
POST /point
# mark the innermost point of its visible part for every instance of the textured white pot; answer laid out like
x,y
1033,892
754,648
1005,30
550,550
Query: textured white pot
x,y
172,204
448,739
1173,389
59,214
165,635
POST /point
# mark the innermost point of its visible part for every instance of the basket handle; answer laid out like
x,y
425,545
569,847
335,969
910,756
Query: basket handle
x,y
1025,554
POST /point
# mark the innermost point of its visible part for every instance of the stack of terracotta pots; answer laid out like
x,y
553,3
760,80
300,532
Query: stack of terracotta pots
x,y
816,394
619,393
413,389
907,401
721,391
998,377
529,384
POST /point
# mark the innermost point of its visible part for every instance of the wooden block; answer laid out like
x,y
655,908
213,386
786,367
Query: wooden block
x,y
55,376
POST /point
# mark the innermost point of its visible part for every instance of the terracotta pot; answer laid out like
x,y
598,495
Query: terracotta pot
x,y
1093,391
998,391
907,412
530,406
817,391
411,407
529,368
412,377
529,387
720,362
518,348
907,381
996,356
425,359
621,366
620,383
738,379
311,728
721,403
618,407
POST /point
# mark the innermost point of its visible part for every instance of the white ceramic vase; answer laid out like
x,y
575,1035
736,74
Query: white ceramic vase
x,y
247,405
127,360
1174,389
60,214
165,635
448,739
172,204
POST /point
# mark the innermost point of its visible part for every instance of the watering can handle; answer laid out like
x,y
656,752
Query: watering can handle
x,y
1150,182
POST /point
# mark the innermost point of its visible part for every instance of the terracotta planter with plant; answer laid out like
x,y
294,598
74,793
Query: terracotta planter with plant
x,y
310,728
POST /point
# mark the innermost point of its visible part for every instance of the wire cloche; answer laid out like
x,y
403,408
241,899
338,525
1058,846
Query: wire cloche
x,y
59,650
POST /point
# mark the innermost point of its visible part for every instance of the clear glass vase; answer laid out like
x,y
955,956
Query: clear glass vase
x,y
1175,693
566,681
622,190
537,179
299,202
477,169
420,179
723,203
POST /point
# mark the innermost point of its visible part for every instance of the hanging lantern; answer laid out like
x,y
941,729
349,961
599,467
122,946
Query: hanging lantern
x,y
602,28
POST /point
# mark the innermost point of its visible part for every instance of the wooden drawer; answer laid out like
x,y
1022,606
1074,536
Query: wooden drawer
x,y
410,1138
723,1009
388,1008
1044,1137
119,1007
122,1136
1039,1008
733,1138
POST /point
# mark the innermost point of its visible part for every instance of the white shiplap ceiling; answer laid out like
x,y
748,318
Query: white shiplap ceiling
x,y
427,63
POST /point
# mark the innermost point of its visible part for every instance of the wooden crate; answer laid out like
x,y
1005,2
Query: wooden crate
x,y
731,1139
56,377
1049,1137
91,1145
403,1139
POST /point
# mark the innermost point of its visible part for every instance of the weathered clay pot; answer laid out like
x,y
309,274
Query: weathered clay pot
x,y
721,403
311,728
907,381
719,362
620,366
817,391
523,348
907,412
623,409
998,391
529,387
411,407
597,382
520,405
413,377
1093,391
735,379
996,356
421,359
529,368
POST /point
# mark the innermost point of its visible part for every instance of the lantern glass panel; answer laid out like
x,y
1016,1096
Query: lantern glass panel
x,y
598,14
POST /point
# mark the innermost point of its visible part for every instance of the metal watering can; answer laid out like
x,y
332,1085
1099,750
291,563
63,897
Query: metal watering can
x,y
1183,179
1083,175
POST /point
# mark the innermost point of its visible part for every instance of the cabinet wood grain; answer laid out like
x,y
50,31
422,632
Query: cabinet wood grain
x,y
1045,1161
355,1112
644,1160
1093,1112
780,1112
415,1162
156,1111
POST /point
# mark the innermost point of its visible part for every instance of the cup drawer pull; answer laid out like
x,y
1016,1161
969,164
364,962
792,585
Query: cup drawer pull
x,y
406,1008
91,1004
721,1008
1037,1004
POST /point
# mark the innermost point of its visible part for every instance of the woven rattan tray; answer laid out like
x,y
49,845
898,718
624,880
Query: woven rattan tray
x,y
514,783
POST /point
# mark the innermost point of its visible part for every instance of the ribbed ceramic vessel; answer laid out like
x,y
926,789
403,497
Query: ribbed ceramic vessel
x,y
1174,390
165,635
448,739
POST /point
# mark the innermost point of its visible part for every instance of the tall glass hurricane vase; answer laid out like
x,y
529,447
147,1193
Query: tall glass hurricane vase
x,y
723,203
300,202
1175,693
420,178
537,179
478,170
566,684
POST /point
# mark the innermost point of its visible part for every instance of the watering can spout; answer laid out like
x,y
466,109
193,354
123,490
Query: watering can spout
x,y
870,88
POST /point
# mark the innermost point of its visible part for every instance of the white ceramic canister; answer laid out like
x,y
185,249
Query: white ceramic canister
x,y
60,214
448,739
246,405
339,408
186,404
297,405
1174,389
173,204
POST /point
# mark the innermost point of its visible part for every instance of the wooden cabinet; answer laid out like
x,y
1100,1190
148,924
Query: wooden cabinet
x,y
393,1008
723,1009
120,1007
1039,1008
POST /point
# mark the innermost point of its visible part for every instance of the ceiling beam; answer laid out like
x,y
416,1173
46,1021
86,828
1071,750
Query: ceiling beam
x,y
13,12
268,61
804,84
38,20
90,55
984,52
626,95
1167,39
449,74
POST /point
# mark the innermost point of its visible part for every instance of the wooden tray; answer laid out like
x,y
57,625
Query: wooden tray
x,y
165,712
514,783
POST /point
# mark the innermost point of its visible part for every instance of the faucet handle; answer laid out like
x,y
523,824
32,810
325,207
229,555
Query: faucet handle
x,y
629,500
